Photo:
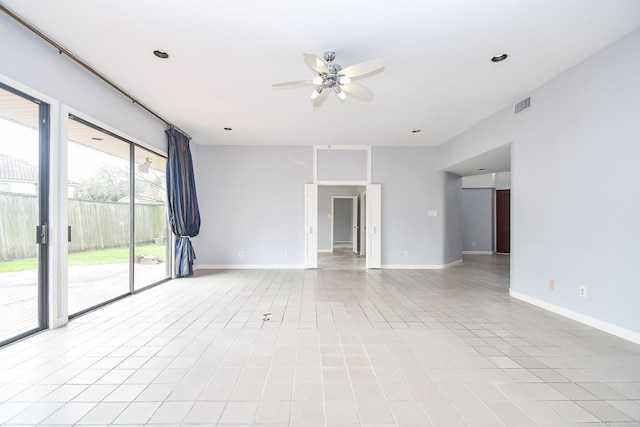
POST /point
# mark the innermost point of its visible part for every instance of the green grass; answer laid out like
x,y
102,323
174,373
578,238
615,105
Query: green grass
x,y
104,256
18,265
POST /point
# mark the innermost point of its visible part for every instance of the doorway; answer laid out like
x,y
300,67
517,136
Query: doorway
x,y
345,224
503,221
363,238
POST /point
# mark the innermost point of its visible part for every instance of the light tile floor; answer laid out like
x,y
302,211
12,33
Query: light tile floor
x,y
339,348
88,286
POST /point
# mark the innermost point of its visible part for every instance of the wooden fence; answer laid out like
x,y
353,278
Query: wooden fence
x,y
94,225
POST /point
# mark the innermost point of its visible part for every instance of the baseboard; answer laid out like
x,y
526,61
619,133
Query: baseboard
x,y
248,267
609,328
421,266
301,267
477,252
324,250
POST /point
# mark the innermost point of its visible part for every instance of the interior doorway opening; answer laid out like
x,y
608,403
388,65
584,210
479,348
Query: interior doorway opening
x,y
342,227
345,224
319,216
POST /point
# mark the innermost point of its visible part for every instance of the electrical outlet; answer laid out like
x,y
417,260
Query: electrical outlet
x,y
406,253
582,291
240,254
552,284
473,243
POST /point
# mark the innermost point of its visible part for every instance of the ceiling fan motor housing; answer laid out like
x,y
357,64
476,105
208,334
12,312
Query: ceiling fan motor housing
x,y
329,56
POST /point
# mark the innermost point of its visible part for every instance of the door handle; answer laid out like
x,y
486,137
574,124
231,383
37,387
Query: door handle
x,y
41,234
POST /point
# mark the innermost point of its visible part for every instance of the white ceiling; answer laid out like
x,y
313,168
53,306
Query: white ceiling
x,y
224,57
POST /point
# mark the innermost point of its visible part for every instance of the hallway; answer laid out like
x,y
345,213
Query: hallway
x,y
342,258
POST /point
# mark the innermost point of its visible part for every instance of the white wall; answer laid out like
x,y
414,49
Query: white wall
x,y
411,187
252,200
502,180
497,180
452,248
485,180
574,176
477,219
342,165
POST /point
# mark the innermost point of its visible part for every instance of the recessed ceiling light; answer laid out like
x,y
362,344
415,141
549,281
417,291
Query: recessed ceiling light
x,y
481,169
415,131
161,54
227,129
499,58
95,138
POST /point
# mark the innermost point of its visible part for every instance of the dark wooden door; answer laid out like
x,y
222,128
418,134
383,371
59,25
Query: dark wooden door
x,y
503,221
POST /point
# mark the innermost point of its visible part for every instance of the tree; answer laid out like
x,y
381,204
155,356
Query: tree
x,y
111,184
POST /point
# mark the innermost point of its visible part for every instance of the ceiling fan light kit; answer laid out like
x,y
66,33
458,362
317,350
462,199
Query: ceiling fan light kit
x,y
333,76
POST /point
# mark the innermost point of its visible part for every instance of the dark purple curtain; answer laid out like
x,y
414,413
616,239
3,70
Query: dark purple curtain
x,y
184,215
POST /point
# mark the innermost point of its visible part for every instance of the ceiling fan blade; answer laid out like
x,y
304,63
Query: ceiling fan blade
x,y
294,83
362,68
358,91
315,63
320,99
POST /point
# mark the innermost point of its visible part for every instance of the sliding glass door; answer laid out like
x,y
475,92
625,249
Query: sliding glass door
x,y
99,198
117,217
24,144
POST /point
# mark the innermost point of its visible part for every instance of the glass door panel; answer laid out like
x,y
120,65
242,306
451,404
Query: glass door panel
x,y
151,264
23,137
99,216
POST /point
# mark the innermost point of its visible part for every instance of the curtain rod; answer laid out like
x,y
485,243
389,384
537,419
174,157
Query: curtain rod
x,y
88,67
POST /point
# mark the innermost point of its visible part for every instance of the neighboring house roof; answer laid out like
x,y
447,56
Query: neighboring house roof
x,y
12,169
18,170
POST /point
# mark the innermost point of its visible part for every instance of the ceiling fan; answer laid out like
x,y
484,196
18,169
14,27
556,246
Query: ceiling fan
x,y
332,77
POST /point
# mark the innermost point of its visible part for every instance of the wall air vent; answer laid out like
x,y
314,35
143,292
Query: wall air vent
x,y
523,105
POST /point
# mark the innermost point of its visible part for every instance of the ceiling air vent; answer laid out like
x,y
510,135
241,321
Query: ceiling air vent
x,y
523,105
